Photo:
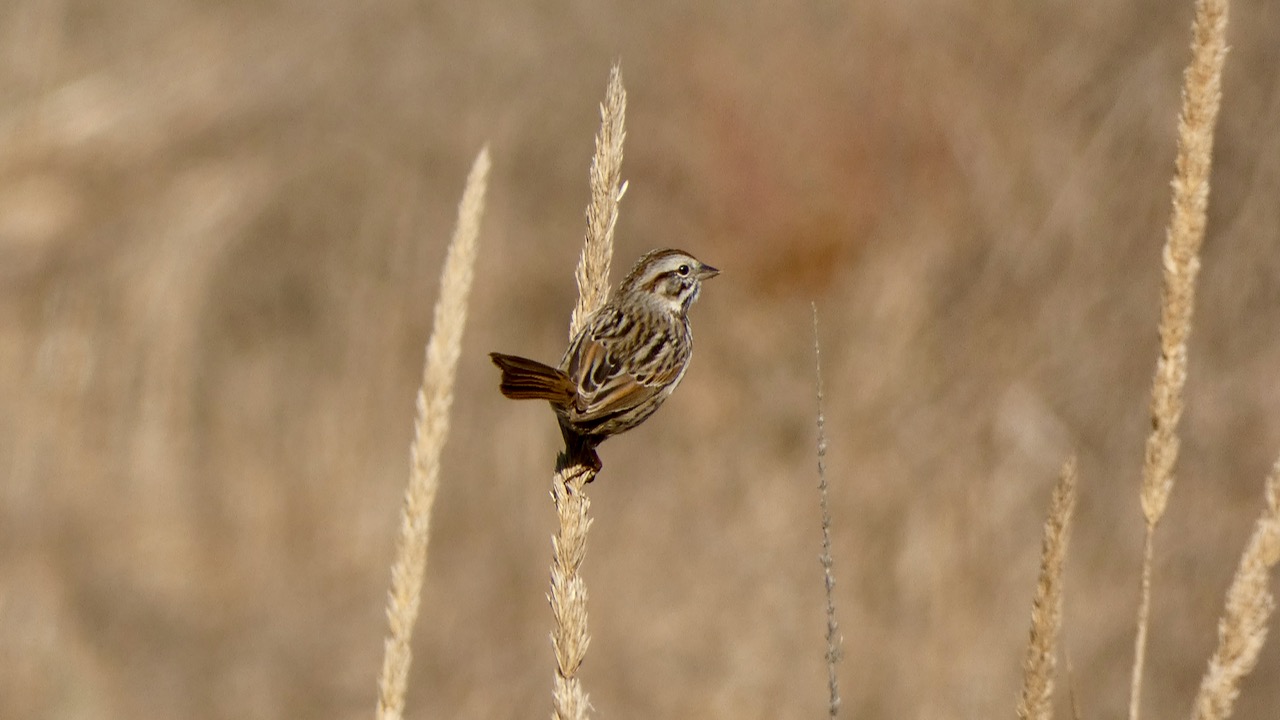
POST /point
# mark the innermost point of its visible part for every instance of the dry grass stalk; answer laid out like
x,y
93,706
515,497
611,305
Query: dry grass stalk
x,y
569,636
1201,98
1072,695
1040,664
431,428
834,651
1242,630
602,212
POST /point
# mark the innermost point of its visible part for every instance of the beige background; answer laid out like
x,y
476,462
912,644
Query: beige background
x,y
220,232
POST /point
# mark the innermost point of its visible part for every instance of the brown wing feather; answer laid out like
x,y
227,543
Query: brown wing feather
x,y
622,394
606,387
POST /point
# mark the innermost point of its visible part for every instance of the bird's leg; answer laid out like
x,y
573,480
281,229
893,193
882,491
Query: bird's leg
x,y
579,450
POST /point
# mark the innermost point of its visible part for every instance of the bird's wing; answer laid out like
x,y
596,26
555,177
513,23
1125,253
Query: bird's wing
x,y
608,386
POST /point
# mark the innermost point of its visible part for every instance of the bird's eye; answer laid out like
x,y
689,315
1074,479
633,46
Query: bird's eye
x,y
683,270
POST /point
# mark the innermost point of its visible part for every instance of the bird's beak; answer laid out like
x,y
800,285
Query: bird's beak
x,y
706,271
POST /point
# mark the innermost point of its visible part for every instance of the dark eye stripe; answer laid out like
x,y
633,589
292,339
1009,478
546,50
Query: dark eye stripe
x,y
662,276
682,282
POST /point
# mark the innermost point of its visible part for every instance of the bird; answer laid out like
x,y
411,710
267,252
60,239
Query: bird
x,y
625,361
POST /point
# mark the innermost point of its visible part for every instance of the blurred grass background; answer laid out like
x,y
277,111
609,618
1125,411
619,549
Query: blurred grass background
x,y
220,232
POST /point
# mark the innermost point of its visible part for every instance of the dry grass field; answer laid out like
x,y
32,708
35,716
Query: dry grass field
x,y
221,231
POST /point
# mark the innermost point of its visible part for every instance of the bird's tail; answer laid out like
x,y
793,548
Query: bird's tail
x,y
525,379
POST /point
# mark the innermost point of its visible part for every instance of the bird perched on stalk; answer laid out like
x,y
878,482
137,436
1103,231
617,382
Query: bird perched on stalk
x,y
628,358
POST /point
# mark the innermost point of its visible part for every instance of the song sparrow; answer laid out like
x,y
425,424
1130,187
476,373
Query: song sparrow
x,y
628,358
